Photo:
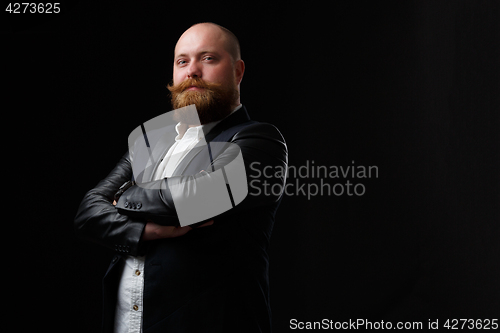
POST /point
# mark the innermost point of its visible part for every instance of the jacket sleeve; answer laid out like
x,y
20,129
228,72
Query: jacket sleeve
x,y
265,158
97,220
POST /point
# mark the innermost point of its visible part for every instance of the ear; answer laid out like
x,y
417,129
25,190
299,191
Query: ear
x,y
239,69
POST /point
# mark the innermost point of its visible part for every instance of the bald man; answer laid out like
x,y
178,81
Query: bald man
x,y
211,276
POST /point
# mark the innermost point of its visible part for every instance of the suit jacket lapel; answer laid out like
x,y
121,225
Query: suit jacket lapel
x,y
234,119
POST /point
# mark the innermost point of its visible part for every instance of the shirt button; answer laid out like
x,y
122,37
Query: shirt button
x,y
135,307
137,272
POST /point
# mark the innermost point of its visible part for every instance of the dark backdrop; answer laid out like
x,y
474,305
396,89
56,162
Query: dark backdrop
x,y
409,87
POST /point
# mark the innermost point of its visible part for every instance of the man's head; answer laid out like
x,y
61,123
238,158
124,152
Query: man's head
x,y
207,72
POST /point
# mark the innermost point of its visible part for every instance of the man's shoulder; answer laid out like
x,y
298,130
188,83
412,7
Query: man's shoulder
x,y
257,129
238,126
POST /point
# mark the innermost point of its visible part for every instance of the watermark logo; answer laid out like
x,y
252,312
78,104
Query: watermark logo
x,y
311,180
203,179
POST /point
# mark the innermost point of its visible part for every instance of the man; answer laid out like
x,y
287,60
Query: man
x,y
207,277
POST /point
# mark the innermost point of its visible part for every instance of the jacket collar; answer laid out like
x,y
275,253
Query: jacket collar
x,y
238,117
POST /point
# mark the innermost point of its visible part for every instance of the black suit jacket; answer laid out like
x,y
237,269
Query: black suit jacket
x,y
213,279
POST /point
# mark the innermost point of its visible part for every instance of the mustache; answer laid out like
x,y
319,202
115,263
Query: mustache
x,y
192,82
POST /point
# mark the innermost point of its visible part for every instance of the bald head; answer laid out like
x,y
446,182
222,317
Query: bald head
x,y
229,40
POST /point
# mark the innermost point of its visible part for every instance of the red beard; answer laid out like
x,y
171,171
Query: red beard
x,y
213,103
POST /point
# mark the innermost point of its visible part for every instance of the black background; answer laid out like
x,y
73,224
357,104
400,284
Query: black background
x,y
409,86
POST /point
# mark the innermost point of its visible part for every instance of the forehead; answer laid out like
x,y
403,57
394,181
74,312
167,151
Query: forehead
x,y
201,38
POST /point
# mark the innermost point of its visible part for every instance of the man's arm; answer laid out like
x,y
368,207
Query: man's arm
x,y
98,221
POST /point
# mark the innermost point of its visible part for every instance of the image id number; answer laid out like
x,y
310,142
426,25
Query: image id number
x,y
460,324
27,7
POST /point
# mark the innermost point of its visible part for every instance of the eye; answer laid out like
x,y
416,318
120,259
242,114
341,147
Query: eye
x,y
208,58
181,62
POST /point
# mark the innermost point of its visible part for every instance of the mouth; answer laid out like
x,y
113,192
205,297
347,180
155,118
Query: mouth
x,y
195,88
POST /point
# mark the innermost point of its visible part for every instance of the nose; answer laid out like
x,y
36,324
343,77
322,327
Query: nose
x,y
194,70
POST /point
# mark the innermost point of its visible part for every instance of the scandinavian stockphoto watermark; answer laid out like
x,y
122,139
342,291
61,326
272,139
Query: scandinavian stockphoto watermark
x,y
311,180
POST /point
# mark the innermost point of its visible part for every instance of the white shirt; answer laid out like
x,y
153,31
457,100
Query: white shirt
x,y
181,147
129,305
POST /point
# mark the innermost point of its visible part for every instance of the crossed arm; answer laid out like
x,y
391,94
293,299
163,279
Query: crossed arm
x,y
98,221
154,231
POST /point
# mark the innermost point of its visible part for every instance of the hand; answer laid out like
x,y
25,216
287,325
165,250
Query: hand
x,y
154,231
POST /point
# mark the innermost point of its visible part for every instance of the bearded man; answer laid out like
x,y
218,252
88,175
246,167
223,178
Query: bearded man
x,y
211,276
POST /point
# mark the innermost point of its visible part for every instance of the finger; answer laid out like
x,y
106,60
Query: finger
x,y
180,231
206,224
114,202
170,231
